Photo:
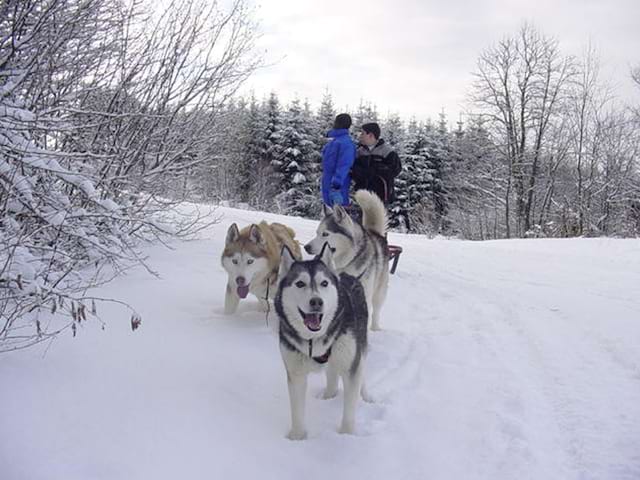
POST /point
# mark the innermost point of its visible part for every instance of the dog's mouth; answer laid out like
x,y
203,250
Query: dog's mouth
x,y
243,290
312,320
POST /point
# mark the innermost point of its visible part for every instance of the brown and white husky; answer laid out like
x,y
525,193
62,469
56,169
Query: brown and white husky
x,y
251,258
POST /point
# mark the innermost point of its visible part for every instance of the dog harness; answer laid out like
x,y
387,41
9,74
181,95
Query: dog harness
x,y
322,359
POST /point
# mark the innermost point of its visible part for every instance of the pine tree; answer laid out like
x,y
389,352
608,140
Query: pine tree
x,y
251,164
326,116
365,113
393,131
408,186
270,164
437,155
294,163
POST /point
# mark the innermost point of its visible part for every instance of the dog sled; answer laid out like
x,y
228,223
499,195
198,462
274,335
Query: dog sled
x,y
394,251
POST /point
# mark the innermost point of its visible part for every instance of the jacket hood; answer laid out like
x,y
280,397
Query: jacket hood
x,y
338,132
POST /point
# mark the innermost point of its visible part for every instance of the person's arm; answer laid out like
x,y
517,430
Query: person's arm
x,y
390,166
396,165
344,162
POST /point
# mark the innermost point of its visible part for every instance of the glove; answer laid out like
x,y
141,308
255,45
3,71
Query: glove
x,y
335,198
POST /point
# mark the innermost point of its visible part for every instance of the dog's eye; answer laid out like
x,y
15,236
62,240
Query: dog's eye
x,y
250,261
234,261
325,234
324,283
300,284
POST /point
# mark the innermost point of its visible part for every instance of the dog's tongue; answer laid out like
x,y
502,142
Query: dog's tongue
x,y
243,291
312,321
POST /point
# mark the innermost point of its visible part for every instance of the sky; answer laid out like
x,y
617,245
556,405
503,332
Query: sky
x,y
416,57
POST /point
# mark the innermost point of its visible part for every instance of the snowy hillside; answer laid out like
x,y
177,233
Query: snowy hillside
x,y
498,360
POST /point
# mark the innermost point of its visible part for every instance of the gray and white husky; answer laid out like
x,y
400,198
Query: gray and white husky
x,y
359,249
323,320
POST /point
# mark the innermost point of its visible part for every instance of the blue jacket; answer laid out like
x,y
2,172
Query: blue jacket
x,y
337,158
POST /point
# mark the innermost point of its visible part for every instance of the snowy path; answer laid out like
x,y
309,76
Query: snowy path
x,y
498,360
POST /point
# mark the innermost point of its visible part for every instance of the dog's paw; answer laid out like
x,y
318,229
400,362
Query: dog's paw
x,y
297,435
347,429
366,397
329,394
376,328
264,306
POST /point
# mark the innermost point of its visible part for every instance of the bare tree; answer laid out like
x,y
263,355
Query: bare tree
x,y
519,86
105,110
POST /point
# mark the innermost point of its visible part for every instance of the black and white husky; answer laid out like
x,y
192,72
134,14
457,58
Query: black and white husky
x,y
359,249
323,320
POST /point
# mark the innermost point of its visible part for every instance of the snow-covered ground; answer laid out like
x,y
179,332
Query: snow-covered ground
x,y
498,360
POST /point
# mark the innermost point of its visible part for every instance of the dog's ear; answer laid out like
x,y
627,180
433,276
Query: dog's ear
x,y
326,256
255,235
286,260
232,234
326,210
341,215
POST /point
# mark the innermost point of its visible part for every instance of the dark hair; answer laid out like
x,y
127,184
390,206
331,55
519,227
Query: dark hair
x,y
372,128
342,120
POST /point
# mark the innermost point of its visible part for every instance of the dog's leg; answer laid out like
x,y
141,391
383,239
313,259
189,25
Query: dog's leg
x,y
261,294
379,295
231,300
332,381
370,314
297,391
352,386
364,391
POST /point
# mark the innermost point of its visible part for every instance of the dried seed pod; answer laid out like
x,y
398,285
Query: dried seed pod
x,y
136,320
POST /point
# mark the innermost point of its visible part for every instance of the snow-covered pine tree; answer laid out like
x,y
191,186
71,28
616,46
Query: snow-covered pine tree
x,y
269,167
438,154
364,113
325,118
250,166
314,170
409,185
294,164
393,131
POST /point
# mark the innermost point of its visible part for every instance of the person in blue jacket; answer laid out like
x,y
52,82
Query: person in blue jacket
x,y
337,158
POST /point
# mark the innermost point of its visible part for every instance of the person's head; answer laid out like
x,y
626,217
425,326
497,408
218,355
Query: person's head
x,y
343,120
370,134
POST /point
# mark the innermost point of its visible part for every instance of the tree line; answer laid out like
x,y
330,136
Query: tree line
x,y
546,150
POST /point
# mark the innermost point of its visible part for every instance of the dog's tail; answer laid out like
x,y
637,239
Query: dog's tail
x,y
374,215
287,236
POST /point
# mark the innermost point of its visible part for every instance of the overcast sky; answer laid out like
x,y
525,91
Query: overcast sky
x,y
415,57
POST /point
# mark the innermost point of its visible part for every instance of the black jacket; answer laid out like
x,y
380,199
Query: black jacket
x,y
375,170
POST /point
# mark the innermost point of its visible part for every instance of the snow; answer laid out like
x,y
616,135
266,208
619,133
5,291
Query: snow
x,y
513,359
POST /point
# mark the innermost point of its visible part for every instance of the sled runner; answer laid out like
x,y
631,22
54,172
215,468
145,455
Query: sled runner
x,y
394,256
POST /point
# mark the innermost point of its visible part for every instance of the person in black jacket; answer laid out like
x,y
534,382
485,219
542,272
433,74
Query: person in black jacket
x,y
376,164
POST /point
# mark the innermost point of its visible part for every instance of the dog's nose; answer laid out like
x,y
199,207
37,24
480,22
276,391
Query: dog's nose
x,y
240,281
316,303
307,248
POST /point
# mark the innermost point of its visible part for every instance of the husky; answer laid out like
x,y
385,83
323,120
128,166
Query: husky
x,y
251,258
322,320
359,249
